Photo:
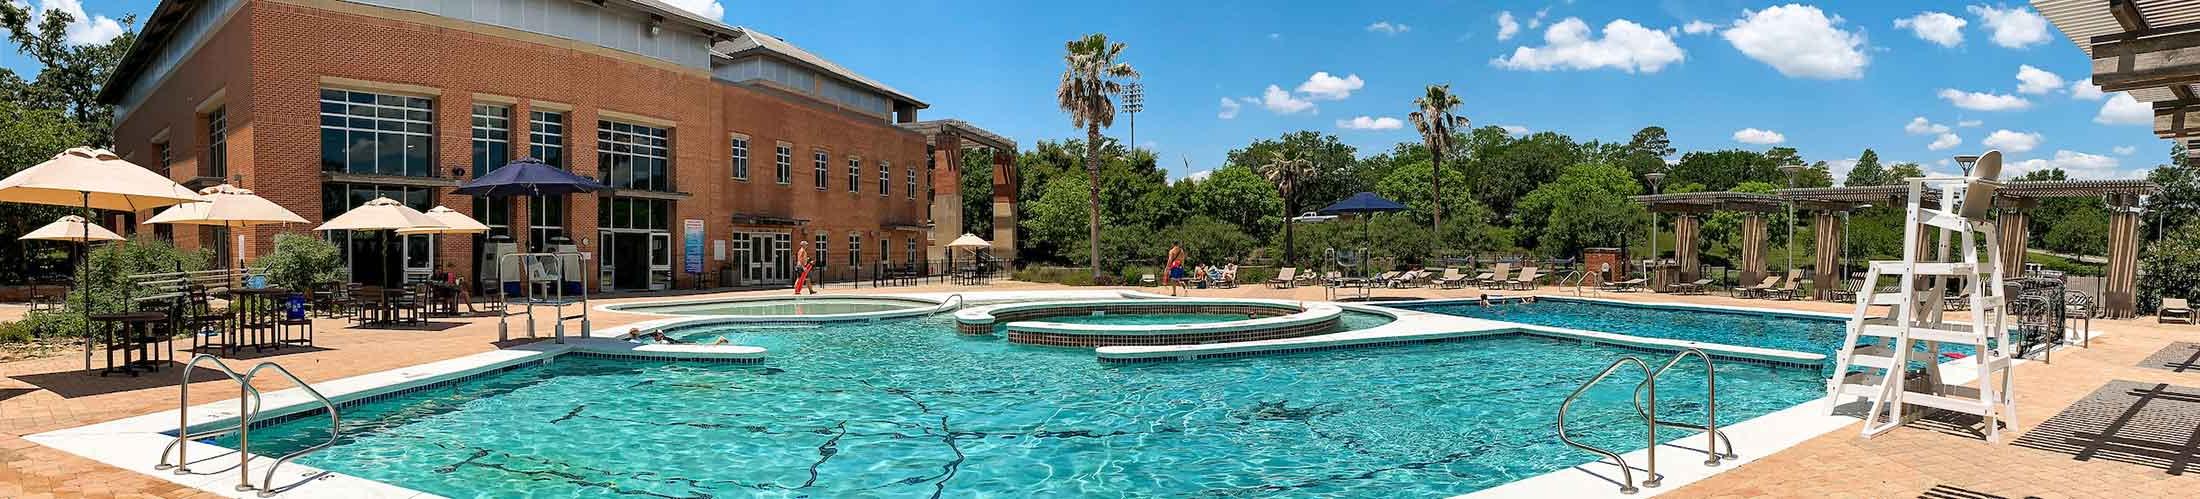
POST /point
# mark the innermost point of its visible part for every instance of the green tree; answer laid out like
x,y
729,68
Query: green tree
x,y
1503,171
1235,195
1093,75
29,137
70,75
2178,204
2173,267
1284,171
1433,117
301,262
1905,170
977,194
1867,171
1722,170
1332,173
1587,206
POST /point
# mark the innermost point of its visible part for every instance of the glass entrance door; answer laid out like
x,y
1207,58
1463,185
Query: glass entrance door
x,y
660,260
607,260
763,257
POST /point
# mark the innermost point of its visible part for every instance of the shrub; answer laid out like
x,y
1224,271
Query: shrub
x,y
301,261
1072,276
2172,267
106,274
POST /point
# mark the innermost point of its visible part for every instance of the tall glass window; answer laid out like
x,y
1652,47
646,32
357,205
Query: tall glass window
x,y
911,191
909,251
376,134
495,213
885,178
740,157
634,213
217,143
823,247
633,156
855,251
545,221
492,138
783,161
855,175
546,137
818,161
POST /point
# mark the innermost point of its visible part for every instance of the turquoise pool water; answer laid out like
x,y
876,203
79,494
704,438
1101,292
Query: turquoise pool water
x,y
1783,332
786,306
1145,319
908,408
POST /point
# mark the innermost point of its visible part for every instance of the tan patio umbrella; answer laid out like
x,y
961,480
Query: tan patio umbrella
x,y
969,240
92,179
231,207
453,223
381,214
73,229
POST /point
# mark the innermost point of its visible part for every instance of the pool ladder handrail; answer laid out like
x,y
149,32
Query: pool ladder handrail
x,y
1578,278
248,406
957,297
1648,412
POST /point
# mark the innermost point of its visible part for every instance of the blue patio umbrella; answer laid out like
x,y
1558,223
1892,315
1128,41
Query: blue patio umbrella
x,y
1364,204
530,177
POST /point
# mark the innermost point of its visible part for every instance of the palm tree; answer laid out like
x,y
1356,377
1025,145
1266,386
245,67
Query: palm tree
x,y
1091,76
1437,124
1285,171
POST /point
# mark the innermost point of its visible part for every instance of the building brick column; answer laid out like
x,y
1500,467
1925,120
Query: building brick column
x,y
1753,249
2119,287
1005,179
946,209
1826,265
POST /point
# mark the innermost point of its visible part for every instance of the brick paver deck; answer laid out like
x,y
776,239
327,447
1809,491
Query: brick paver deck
x,y
47,394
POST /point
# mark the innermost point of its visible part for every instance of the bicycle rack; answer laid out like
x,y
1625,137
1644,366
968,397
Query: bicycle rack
x,y
1713,437
248,406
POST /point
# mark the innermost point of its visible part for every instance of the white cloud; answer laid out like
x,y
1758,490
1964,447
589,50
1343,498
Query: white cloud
x,y
1698,27
1322,86
1969,123
1840,167
1385,27
1506,26
2077,163
1275,36
2086,90
2125,150
1758,137
2031,80
2013,27
2124,110
1626,46
1280,102
1984,101
706,8
1199,175
1944,141
2010,141
1371,123
1921,126
83,28
1937,27
1537,21
1800,41
1514,130
1229,109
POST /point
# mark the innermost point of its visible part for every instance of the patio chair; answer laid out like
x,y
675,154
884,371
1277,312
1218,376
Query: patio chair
x,y
1758,290
1695,287
2173,309
1789,290
1526,280
1451,279
1285,278
1498,276
1146,279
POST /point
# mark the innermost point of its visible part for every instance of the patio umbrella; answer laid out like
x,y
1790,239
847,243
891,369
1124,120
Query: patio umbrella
x,y
453,223
381,214
73,229
530,177
91,179
230,207
968,241
1364,204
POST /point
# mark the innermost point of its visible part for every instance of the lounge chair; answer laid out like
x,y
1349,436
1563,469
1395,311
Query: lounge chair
x,y
2173,309
1789,290
1525,281
1758,290
1146,279
1411,279
1451,279
1498,276
1691,288
1285,278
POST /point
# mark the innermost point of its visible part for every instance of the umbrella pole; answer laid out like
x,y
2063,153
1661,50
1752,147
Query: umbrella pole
x,y
85,293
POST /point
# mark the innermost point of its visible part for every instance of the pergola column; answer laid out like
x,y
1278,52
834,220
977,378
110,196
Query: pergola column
x,y
2015,227
2119,287
1753,249
1004,205
1686,231
1826,267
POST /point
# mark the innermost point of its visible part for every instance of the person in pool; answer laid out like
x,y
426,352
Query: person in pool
x,y
636,334
1175,270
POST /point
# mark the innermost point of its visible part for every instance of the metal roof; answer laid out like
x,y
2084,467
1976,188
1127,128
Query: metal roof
x,y
933,128
2085,21
749,40
1839,196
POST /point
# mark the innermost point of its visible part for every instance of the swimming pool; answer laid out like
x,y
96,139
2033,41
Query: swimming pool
x,y
1798,333
783,306
907,407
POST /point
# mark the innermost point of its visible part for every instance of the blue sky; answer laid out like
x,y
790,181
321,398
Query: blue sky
x,y
1827,78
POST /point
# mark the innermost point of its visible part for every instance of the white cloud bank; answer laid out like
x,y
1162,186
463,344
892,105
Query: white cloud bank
x,y
2125,110
2031,80
1570,44
83,28
1758,137
1984,101
1801,42
1937,27
1387,28
706,8
1229,110
2012,27
2012,141
1322,86
1371,123
1507,26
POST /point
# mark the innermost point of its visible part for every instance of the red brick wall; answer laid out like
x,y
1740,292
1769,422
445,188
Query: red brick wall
x,y
219,67
293,46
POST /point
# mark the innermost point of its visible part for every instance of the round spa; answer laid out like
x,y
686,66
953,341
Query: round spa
x,y
804,308
1097,323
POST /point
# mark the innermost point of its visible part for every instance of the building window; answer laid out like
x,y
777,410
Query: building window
x,y
911,191
855,251
495,213
740,157
783,160
164,158
909,252
818,161
217,144
824,245
545,221
855,175
633,156
885,249
492,138
885,178
377,134
546,137
634,213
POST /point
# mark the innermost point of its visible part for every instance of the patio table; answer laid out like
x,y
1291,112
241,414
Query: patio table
x,y
115,330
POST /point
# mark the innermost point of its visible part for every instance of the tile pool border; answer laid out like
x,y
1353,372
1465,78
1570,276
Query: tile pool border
x,y
1026,322
925,307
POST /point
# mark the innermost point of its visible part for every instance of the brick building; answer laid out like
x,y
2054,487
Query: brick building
x,y
322,105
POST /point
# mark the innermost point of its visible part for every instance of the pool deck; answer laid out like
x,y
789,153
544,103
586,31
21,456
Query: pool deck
x,y
47,394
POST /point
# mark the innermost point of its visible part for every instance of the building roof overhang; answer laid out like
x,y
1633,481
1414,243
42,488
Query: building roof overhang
x,y
1847,198
969,133
2149,49
749,42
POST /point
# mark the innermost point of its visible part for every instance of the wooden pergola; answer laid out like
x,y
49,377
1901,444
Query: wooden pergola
x,y
1826,205
2149,49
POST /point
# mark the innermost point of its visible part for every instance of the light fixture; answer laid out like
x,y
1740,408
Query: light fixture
x,y
656,25
1966,162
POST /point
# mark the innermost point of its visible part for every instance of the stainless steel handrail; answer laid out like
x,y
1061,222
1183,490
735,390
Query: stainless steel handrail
x,y
958,297
1627,474
248,403
1713,436
335,428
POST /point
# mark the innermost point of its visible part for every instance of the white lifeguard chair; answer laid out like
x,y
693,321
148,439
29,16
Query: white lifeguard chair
x,y
1885,347
552,280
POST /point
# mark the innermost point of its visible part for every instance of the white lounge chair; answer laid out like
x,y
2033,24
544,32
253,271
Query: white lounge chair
x,y
1500,274
1285,278
1525,281
2173,309
1451,279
